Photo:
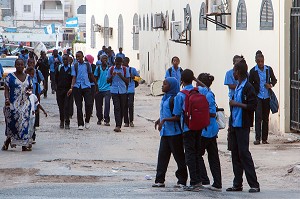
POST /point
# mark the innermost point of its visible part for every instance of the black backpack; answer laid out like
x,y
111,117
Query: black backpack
x,y
170,71
136,83
88,67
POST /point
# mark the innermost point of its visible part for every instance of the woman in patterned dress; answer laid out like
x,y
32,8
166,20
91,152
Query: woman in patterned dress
x,y
17,108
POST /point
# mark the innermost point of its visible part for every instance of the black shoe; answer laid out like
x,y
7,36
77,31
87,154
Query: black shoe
x,y
67,126
265,142
234,189
254,190
99,123
61,125
256,142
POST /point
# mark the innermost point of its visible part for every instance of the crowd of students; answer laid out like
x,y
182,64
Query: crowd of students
x,y
248,93
72,79
77,79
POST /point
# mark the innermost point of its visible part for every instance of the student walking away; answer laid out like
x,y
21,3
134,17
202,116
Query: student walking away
x,y
81,88
120,54
243,105
54,61
63,80
129,105
17,108
175,70
111,58
101,52
209,137
43,66
190,99
262,78
35,106
171,141
118,77
90,60
100,74
231,83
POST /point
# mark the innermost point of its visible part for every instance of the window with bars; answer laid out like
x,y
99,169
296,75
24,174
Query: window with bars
x,y
202,21
120,31
173,15
27,8
135,33
106,31
241,16
151,22
140,23
147,22
266,15
167,21
221,19
144,23
93,34
187,17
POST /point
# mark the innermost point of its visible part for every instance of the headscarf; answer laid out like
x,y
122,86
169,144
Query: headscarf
x,y
174,88
90,59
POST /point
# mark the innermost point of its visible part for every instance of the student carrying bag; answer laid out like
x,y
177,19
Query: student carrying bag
x,y
274,105
196,112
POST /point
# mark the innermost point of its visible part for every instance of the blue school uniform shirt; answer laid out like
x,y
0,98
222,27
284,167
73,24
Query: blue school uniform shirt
x,y
237,112
131,85
179,107
229,79
174,73
263,91
52,60
82,78
213,129
122,55
36,85
1,71
102,80
168,128
118,86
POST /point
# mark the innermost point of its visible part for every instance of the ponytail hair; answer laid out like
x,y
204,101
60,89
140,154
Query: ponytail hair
x,y
206,78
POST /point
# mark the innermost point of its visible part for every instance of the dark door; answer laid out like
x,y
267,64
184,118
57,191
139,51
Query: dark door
x,y
295,66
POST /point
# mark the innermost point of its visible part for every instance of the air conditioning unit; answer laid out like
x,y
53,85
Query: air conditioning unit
x,y
135,29
97,28
216,6
158,21
176,30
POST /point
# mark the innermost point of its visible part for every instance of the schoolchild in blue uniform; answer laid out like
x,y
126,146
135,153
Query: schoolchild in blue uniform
x,y
175,70
209,137
103,91
262,78
129,105
243,105
231,83
118,76
81,89
171,141
191,139
120,54
54,61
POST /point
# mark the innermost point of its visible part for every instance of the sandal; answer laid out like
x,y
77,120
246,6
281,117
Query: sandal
x,y
24,148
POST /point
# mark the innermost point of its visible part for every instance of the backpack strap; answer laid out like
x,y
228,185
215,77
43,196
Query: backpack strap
x,y
171,104
76,68
186,92
170,71
180,69
124,71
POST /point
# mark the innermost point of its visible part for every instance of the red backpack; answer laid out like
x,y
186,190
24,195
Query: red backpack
x,y
196,112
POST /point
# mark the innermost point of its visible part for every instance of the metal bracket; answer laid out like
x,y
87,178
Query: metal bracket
x,y
207,17
187,40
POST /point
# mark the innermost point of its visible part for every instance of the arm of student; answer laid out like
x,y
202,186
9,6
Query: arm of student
x,y
110,76
232,86
156,123
40,107
126,80
199,82
6,95
72,85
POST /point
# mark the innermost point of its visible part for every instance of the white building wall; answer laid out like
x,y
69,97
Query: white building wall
x,y
212,50
113,9
76,5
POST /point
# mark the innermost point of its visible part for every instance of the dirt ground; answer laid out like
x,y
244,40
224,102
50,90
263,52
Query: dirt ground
x,y
99,155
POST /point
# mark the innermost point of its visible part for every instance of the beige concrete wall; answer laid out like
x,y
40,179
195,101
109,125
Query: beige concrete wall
x,y
212,50
113,9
